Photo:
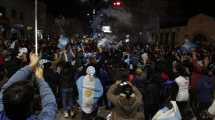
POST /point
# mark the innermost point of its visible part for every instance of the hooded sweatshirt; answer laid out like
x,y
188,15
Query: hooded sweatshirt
x,y
125,109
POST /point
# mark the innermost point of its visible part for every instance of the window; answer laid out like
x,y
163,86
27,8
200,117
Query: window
x,y
13,13
173,39
161,38
21,16
167,38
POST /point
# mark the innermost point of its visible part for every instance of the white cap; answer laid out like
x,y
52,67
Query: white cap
x,y
91,70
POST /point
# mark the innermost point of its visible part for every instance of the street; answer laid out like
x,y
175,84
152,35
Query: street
x,y
101,113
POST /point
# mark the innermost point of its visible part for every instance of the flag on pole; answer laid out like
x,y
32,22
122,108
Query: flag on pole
x,y
36,41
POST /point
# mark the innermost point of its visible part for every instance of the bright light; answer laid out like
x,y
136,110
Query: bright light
x,y
1,14
118,3
94,11
106,29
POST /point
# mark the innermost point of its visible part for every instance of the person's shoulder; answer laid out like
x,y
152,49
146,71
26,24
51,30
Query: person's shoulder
x,y
81,77
140,116
179,78
97,79
3,116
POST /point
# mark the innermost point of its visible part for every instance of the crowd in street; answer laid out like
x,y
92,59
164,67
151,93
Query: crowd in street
x,y
133,82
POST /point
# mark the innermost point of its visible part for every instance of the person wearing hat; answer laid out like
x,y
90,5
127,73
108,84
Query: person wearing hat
x,y
90,91
126,100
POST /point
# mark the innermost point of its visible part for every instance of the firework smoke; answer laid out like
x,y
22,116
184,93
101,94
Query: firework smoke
x,y
122,16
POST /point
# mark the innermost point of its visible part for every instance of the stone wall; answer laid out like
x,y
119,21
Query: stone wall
x,y
199,24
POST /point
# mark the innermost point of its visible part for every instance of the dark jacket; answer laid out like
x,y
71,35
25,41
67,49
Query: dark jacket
x,y
67,77
125,109
103,76
52,78
139,82
205,89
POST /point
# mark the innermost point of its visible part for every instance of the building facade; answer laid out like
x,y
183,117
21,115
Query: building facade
x,y
20,15
199,25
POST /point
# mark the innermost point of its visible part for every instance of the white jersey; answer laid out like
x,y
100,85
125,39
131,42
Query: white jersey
x,y
88,95
183,91
211,109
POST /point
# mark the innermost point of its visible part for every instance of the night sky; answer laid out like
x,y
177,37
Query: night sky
x,y
74,8
193,7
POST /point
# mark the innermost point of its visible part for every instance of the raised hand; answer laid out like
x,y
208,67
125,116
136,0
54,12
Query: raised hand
x,y
33,59
39,73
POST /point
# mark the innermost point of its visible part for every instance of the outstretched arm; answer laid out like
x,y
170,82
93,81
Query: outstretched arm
x,y
138,94
20,75
49,105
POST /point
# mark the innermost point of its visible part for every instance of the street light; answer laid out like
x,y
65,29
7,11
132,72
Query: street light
x,y
1,14
117,3
106,29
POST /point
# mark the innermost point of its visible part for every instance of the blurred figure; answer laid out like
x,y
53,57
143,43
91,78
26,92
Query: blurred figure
x,y
205,90
151,94
68,89
2,65
169,110
52,78
18,93
106,82
183,88
196,75
126,100
90,90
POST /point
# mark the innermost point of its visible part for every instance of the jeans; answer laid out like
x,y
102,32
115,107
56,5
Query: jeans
x,y
67,99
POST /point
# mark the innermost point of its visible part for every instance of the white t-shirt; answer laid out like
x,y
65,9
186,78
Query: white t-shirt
x,y
211,109
183,91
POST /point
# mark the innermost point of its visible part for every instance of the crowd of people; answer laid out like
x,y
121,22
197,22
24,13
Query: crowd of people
x,y
133,82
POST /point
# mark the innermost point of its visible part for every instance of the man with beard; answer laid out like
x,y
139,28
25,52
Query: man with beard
x,y
126,100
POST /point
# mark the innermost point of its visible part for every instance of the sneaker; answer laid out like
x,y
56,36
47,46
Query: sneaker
x,y
72,114
66,114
